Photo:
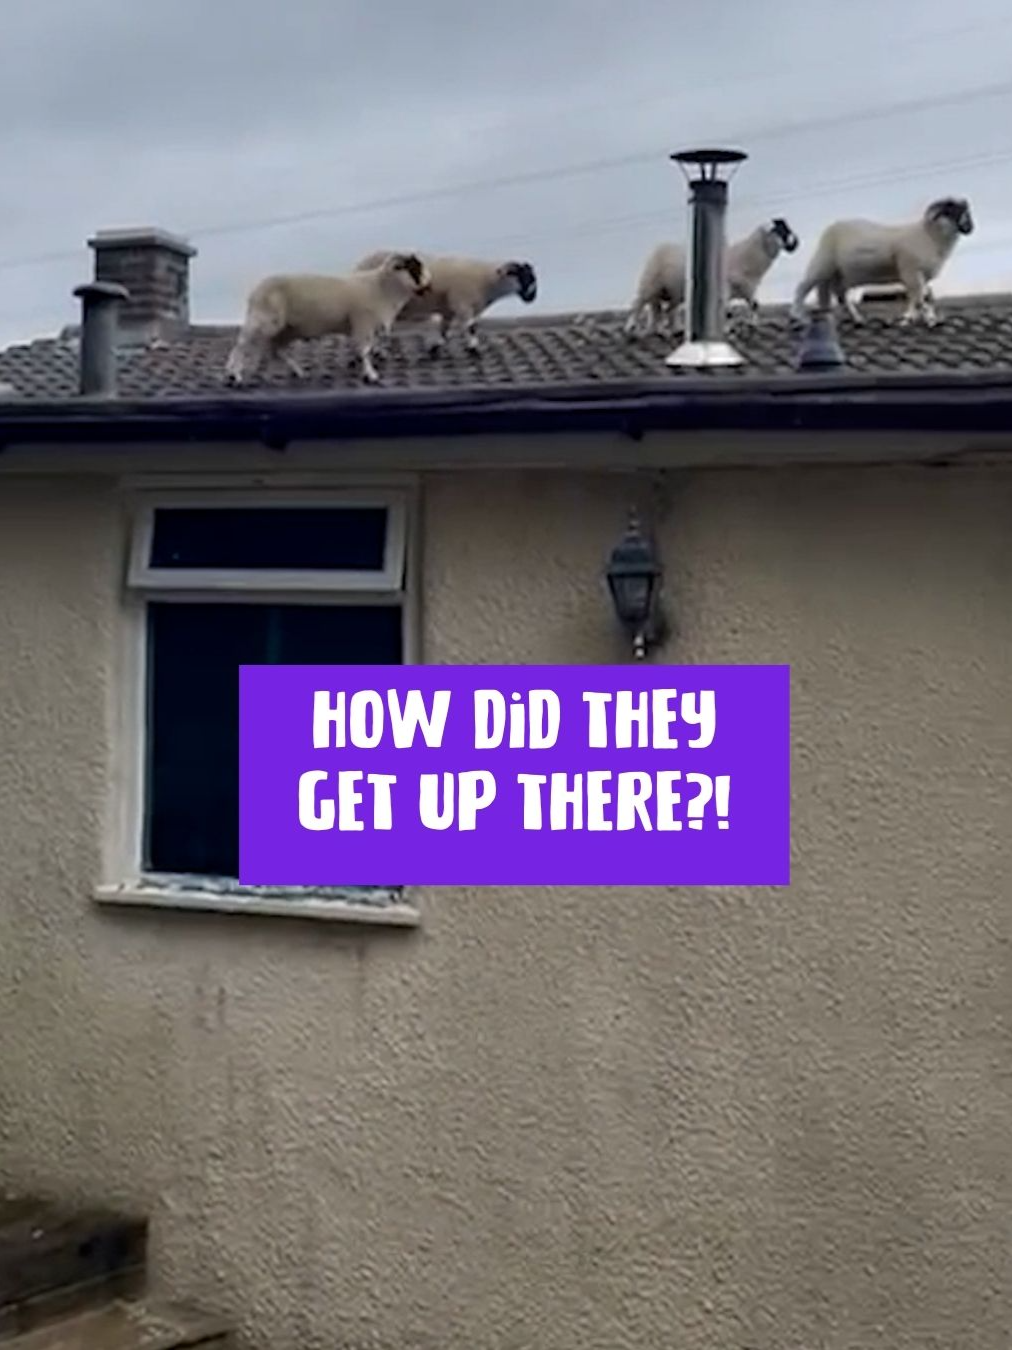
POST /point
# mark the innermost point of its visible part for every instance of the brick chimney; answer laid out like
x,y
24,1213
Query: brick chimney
x,y
154,266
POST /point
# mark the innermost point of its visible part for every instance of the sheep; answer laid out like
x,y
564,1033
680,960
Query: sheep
x,y
462,290
661,291
662,285
282,309
853,253
751,258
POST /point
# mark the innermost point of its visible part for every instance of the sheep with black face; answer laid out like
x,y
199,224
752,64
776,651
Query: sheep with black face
x,y
749,260
461,290
661,292
857,253
284,309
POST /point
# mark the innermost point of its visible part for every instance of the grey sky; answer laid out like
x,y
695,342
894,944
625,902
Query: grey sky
x,y
226,113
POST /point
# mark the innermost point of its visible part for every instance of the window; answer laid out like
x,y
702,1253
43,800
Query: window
x,y
299,545
231,579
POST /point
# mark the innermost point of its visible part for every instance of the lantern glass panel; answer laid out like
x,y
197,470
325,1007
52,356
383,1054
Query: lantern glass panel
x,y
632,596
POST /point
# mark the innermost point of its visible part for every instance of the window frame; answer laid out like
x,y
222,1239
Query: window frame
x,y
124,878
141,575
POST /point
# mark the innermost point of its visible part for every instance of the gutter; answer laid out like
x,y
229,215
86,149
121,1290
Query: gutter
x,y
962,403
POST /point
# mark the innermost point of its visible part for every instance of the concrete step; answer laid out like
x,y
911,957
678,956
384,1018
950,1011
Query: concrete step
x,y
54,1261
128,1324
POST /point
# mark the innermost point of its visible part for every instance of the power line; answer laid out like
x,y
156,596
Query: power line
x,y
590,167
555,173
822,188
883,57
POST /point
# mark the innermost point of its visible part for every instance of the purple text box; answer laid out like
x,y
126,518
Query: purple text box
x,y
731,830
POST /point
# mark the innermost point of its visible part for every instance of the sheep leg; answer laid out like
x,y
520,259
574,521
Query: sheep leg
x,y
913,284
381,339
439,328
674,320
798,303
246,356
471,337
281,351
846,299
675,323
742,309
661,318
363,335
369,372
633,323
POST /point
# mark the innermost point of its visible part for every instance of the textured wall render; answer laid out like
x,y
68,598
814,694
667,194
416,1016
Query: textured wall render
x,y
563,1118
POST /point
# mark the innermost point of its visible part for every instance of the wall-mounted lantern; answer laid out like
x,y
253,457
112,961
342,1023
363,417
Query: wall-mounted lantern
x,y
634,579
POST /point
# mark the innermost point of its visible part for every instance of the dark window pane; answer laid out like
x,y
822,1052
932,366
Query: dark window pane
x,y
194,654
318,539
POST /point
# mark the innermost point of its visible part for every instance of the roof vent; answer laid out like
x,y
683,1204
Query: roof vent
x,y
100,302
820,348
705,300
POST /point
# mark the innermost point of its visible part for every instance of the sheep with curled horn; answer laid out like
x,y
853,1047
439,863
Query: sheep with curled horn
x,y
461,290
283,309
858,253
662,285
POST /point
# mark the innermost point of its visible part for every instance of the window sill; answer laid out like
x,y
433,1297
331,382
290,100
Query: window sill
x,y
138,895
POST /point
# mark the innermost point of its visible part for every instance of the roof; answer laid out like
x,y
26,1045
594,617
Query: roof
x,y
552,351
559,368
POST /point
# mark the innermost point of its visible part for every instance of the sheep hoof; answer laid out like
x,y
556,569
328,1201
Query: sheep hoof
x,y
435,351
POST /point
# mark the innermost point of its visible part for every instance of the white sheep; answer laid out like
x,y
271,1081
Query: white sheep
x,y
749,260
662,285
660,292
853,253
461,290
283,309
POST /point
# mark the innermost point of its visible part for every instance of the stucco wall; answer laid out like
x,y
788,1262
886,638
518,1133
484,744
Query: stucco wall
x,y
563,1118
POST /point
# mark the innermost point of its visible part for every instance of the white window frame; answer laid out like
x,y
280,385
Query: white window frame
x,y
142,576
124,880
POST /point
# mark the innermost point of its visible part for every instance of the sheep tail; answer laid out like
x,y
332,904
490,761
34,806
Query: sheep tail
x,y
265,319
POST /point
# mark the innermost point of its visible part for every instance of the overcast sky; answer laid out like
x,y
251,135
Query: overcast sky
x,y
293,136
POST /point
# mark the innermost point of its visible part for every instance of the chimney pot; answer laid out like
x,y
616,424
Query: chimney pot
x,y
704,344
820,347
100,301
154,266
